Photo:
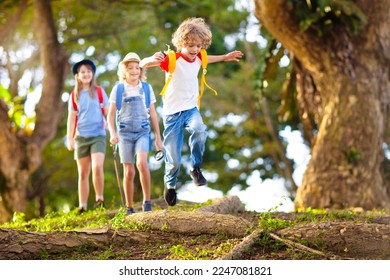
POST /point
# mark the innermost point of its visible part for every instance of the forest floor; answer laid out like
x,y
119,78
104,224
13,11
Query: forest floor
x,y
189,232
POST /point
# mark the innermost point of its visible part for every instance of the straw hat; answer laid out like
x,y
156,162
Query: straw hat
x,y
131,56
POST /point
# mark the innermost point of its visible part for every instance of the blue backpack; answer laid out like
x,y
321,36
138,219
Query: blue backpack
x,y
119,92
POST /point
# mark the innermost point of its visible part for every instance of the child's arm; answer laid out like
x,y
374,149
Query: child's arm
x,y
152,61
70,129
232,56
114,138
156,127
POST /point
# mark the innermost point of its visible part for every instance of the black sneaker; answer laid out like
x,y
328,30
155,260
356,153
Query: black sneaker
x,y
170,196
81,210
129,211
197,176
99,204
147,206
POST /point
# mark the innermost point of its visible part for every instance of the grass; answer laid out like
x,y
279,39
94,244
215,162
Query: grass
x,y
60,221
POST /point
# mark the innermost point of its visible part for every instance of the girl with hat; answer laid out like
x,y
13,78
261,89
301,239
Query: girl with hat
x,y
86,133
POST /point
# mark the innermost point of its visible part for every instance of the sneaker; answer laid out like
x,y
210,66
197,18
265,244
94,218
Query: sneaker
x,y
130,210
81,210
197,176
99,204
147,206
170,196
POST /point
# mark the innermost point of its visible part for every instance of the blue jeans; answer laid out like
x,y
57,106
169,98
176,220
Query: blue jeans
x,y
174,126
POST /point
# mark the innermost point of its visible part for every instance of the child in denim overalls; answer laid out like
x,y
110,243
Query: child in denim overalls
x,y
180,106
133,128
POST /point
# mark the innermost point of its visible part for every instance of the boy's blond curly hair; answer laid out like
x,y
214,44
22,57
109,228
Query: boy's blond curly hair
x,y
190,29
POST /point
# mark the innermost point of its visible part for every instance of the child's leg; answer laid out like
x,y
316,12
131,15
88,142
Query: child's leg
x,y
98,175
98,151
83,166
144,174
173,142
198,135
128,183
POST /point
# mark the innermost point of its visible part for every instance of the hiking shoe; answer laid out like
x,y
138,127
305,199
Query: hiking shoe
x,y
99,204
147,206
197,176
170,196
130,210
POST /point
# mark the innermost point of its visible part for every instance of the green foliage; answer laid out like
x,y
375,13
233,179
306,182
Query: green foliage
x,y
119,222
5,94
268,223
105,31
321,16
18,119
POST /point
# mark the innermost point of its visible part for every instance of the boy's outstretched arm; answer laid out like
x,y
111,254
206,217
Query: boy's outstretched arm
x,y
232,56
152,61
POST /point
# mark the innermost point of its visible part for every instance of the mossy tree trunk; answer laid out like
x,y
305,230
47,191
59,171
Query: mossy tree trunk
x,y
351,76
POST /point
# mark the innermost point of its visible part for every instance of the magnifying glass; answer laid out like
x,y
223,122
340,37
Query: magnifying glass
x,y
159,155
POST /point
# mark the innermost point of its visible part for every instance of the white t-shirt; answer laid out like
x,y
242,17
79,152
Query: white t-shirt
x,y
183,90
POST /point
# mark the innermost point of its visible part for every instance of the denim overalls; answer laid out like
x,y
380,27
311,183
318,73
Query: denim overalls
x,y
133,127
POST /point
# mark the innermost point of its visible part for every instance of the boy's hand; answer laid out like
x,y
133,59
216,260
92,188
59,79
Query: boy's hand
x,y
159,56
153,60
233,56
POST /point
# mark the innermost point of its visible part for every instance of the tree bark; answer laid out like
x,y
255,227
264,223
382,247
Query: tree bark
x,y
351,76
21,153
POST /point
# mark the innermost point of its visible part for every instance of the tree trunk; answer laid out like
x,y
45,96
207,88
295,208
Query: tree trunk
x,y
21,153
351,76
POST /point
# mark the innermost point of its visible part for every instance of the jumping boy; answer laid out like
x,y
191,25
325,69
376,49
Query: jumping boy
x,y
180,104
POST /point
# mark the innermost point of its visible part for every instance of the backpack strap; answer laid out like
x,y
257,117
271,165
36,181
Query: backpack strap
x,y
171,68
100,97
203,82
119,92
74,104
145,87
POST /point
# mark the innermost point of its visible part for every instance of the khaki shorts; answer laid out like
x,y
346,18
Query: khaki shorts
x,y
86,146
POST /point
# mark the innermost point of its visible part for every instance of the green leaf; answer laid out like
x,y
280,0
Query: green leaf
x,y
5,94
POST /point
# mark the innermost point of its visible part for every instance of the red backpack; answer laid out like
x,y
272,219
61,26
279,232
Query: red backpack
x,y
100,97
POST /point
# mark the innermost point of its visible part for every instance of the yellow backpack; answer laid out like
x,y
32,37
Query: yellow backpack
x,y
172,66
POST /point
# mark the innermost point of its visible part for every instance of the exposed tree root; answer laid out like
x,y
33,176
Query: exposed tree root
x,y
205,220
245,246
298,246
